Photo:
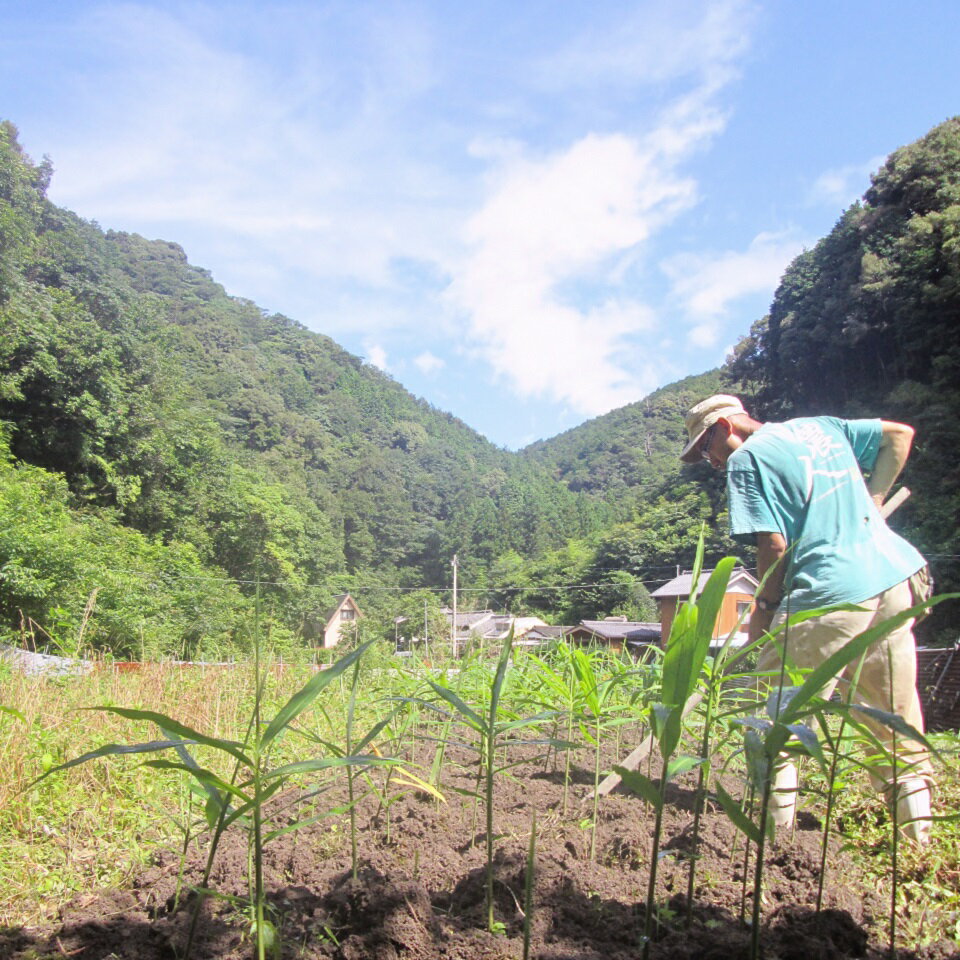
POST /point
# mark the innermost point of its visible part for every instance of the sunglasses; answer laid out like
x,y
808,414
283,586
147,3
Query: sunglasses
x,y
705,444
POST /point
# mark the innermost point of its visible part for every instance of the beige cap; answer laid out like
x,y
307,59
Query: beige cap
x,y
701,417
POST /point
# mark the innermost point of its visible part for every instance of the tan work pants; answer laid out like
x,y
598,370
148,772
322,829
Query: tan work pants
x,y
887,678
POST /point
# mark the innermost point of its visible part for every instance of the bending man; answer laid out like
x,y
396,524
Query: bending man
x,y
797,491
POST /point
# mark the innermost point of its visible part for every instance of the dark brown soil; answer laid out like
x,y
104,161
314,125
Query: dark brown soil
x,y
419,894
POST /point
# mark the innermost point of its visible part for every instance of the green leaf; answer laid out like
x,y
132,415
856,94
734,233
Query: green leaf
x,y
213,806
506,727
681,765
810,741
12,712
374,732
672,731
469,715
171,726
758,761
111,750
737,816
754,723
710,601
639,784
202,776
499,677
676,660
895,722
697,563
779,700
306,822
187,758
835,663
308,693
325,763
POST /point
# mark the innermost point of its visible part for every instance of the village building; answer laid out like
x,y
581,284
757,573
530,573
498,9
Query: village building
x,y
541,635
618,633
734,610
486,625
338,621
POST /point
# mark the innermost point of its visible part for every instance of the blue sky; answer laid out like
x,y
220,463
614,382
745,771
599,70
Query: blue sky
x,y
528,213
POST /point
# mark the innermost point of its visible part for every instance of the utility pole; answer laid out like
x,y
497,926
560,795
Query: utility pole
x,y
453,627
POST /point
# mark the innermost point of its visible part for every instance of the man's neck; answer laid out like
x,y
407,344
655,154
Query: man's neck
x,y
745,426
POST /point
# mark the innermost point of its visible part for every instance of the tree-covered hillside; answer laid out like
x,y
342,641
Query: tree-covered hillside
x,y
628,458
195,419
164,445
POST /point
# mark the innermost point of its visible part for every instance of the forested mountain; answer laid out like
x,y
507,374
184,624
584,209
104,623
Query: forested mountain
x,y
163,445
196,420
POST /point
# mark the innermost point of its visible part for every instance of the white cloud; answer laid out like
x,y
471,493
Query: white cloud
x,y
549,221
707,284
656,42
840,186
304,179
581,214
428,363
305,161
377,356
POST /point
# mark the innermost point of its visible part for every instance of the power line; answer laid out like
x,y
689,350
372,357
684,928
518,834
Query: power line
x,y
340,588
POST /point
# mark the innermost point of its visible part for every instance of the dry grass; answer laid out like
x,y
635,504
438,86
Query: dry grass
x,y
96,823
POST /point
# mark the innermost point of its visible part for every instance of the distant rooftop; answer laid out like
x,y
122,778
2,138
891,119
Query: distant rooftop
x,y
629,630
681,585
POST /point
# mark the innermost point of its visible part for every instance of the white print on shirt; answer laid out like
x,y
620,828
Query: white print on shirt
x,y
821,446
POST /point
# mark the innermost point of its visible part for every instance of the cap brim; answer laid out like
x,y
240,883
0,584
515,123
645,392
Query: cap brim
x,y
690,453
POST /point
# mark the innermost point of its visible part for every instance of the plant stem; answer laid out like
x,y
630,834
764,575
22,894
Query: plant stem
x,y
596,790
528,886
350,771
828,816
699,803
257,812
491,741
654,861
758,869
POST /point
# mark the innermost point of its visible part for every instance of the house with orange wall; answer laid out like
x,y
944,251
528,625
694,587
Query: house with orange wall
x,y
737,602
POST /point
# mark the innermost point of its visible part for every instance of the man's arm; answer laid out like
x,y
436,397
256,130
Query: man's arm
x,y
771,550
894,449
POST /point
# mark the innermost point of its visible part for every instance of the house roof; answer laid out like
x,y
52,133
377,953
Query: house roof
x,y
629,630
338,602
546,631
741,581
472,620
489,624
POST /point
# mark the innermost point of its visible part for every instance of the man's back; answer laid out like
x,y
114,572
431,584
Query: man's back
x,y
803,479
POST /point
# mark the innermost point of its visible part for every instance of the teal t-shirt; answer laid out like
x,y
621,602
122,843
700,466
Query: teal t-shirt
x,y
803,479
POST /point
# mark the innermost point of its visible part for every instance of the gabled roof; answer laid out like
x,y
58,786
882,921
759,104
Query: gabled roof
x,y
472,619
629,630
547,632
338,602
492,625
741,581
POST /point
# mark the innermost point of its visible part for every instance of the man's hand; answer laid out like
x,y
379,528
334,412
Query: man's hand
x,y
760,621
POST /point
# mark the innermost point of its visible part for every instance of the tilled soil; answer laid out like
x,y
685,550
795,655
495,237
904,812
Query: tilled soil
x,y
420,889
